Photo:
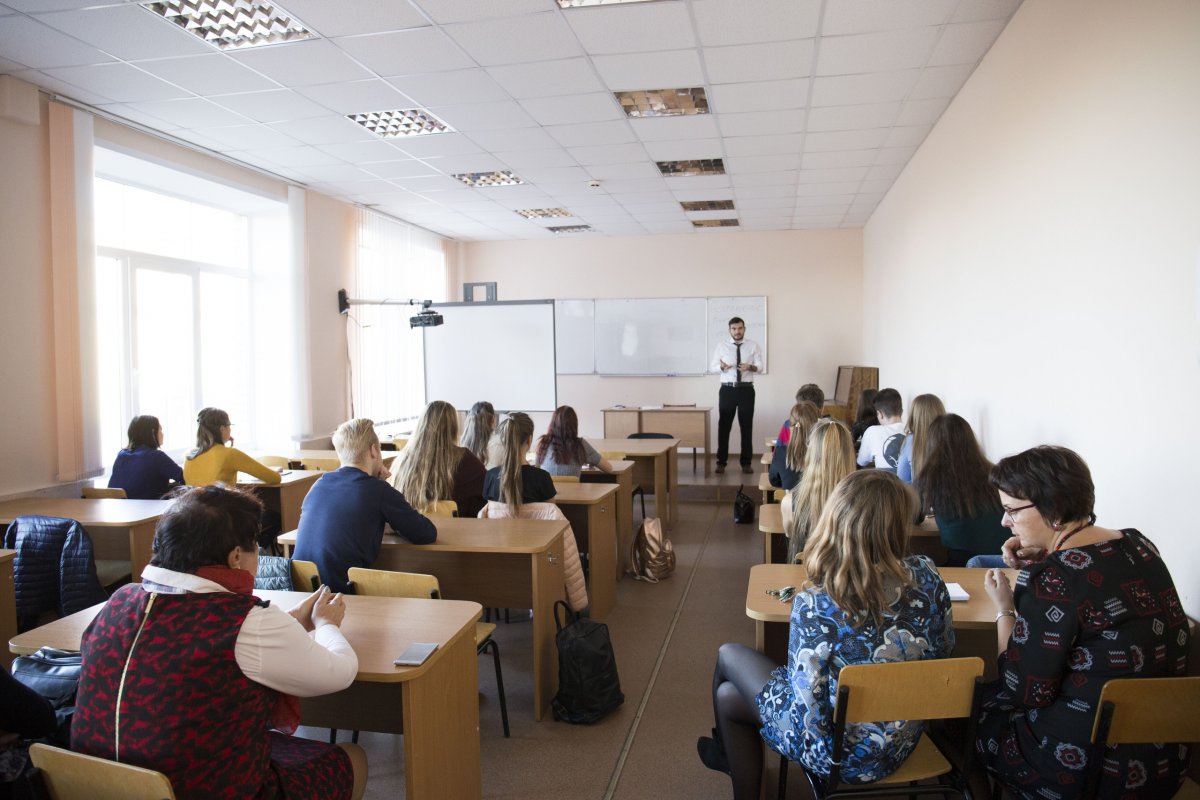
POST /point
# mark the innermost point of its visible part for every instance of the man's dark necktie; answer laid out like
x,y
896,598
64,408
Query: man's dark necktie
x,y
738,363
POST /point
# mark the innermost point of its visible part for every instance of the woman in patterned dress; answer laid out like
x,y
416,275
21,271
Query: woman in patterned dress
x,y
1099,605
865,601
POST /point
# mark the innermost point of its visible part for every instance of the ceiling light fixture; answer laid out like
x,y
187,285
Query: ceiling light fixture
x,y
232,24
570,228
481,179
544,213
401,122
663,102
682,169
714,223
707,205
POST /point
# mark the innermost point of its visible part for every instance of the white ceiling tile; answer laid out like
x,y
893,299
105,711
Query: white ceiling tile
x,y
305,63
215,73
759,62
826,189
783,177
118,82
568,109
335,173
35,45
839,158
941,81
437,144
824,200
844,140
657,129
871,87
622,171
200,139
730,98
671,69
271,106
833,175
537,159
975,10
408,52
295,156
547,78
445,11
323,130
656,211
428,183
461,86
721,22
691,195
512,40
129,32
357,97
407,168
127,112
906,136
363,152
476,162
539,175
669,227
831,210
53,84
787,204
33,6
635,186
885,172
867,16
763,145
635,28
348,17
875,52
774,190
514,139
191,112
517,196
744,164
484,116
683,150
868,199
846,118
965,43
762,123
922,112
699,182
894,155
596,133
609,154
875,186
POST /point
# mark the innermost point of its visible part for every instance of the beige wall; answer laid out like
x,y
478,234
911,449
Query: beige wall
x,y
806,340
1036,265
329,233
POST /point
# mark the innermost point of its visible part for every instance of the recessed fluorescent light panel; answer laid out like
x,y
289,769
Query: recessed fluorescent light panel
x,y
682,169
707,205
663,102
583,3
404,122
570,228
543,213
232,24
714,223
478,179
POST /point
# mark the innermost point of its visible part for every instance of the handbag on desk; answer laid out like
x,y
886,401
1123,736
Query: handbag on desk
x,y
743,507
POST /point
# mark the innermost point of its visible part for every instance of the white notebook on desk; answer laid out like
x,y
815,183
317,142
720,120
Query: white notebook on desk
x,y
957,592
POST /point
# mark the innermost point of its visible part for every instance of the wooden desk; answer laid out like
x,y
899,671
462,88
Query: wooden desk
x,y
120,529
591,510
622,476
974,619
498,563
322,456
764,486
8,603
656,463
435,705
285,497
689,424
775,544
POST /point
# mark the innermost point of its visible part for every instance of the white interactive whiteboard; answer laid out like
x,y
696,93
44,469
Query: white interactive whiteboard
x,y
500,352
655,336
575,336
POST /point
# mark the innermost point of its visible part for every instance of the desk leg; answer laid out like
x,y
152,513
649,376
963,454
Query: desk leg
x,y
547,584
8,610
673,483
707,444
662,503
141,547
624,521
602,552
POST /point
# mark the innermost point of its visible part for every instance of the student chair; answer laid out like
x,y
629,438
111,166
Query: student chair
x,y
444,508
1141,710
273,461
565,478
103,492
65,776
323,464
385,583
304,576
942,688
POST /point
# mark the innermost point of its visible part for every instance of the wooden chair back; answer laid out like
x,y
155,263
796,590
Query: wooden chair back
x,y
305,577
612,455
273,461
68,775
323,464
385,583
941,688
444,508
99,492
565,478
1149,710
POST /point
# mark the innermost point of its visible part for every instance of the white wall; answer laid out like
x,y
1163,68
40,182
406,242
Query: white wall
x,y
1036,264
807,338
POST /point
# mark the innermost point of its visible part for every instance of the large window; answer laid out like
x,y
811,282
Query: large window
x,y
395,262
193,305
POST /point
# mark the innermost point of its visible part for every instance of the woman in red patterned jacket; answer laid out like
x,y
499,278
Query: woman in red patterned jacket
x,y
189,674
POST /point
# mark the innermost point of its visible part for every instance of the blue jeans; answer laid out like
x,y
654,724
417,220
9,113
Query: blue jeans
x,y
987,562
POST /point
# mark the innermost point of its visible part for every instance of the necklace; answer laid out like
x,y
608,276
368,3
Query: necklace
x,y
1063,540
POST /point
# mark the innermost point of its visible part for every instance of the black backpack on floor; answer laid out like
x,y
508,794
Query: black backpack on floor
x,y
588,686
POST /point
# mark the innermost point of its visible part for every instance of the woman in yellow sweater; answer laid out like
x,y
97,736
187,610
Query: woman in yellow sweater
x,y
212,462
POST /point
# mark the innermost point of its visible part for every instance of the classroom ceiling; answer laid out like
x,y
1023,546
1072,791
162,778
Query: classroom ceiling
x,y
814,106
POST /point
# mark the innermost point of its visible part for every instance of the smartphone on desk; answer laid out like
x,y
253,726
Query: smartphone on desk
x,y
416,654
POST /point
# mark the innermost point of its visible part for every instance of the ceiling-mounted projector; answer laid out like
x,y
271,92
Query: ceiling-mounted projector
x,y
426,319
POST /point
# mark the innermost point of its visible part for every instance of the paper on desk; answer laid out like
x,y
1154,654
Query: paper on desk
x,y
957,592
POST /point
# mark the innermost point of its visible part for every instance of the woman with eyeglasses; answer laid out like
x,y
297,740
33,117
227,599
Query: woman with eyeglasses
x,y
214,459
1099,605
865,601
143,470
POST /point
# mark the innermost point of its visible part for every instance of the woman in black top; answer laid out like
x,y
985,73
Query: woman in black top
x,y
515,482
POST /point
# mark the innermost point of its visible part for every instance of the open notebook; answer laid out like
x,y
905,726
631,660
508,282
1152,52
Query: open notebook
x,y
957,592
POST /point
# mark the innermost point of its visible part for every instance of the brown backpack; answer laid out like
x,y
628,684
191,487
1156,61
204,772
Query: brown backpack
x,y
653,558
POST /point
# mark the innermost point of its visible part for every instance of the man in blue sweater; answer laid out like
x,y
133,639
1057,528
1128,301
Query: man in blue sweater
x,y
341,521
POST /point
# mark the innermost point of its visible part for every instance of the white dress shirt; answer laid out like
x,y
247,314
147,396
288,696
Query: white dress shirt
x,y
727,351
273,649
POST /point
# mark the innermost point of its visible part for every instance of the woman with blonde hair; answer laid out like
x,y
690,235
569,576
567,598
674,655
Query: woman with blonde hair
x,y
478,429
828,458
865,601
433,467
788,461
924,410
516,482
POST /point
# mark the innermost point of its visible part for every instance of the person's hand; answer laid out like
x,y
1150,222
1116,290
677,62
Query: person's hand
x,y
329,609
724,365
1017,557
302,611
996,584
383,473
746,366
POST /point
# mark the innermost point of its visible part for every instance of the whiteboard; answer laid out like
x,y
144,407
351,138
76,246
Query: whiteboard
x,y
575,336
751,309
657,336
500,352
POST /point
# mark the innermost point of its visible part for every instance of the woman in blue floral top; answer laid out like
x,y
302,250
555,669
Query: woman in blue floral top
x,y
864,602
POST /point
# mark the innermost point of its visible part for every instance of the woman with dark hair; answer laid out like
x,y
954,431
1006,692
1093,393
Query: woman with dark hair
x,y
865,601
141,469
952,479
190,674
214,458
478,429
866,416
561,451
1100,605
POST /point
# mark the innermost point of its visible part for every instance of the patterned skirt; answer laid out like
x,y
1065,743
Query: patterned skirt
x,y
302,769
